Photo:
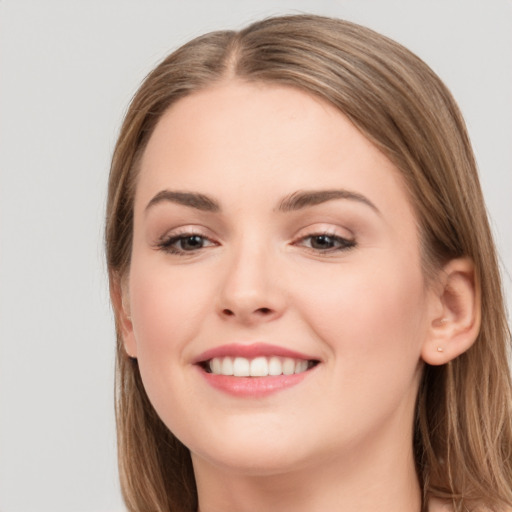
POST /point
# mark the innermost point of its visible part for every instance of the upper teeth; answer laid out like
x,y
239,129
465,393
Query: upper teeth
x,y
257,367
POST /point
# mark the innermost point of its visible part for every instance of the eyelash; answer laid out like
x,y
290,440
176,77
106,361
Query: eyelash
x,y
343,244
169,244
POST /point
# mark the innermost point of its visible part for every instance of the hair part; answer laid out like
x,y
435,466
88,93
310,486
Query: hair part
x,y
463,431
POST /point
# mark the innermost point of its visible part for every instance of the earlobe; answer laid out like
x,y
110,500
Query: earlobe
x,y
120,300
455,324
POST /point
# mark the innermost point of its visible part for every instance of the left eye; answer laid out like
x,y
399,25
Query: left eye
x,y
185,243
324,242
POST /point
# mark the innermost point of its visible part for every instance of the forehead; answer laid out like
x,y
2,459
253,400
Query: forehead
x,y
237,139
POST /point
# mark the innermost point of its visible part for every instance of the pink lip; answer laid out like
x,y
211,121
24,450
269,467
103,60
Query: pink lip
x,y
250,351
252,387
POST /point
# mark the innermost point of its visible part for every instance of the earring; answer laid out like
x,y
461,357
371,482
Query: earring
x,y
440,349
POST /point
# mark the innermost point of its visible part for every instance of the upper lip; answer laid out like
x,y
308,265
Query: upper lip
x,y
250,351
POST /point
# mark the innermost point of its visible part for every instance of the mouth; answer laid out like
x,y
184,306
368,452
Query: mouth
x,y
255,370
261,366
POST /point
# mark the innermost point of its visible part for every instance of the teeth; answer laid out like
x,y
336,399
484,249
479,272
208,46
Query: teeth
x,y
274,366
301,366
288,366
257,367
226,367
216,366
241,367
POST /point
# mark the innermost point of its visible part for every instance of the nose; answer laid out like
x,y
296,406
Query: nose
x,y
251,289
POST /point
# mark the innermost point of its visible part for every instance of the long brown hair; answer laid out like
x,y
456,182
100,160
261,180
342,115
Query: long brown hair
x,y
463,430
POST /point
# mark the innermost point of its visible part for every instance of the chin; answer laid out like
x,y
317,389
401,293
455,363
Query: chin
x,y
260,461
253,454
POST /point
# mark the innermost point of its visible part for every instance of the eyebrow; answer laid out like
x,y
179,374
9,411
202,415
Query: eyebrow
x,y
306,198
296,201
190,199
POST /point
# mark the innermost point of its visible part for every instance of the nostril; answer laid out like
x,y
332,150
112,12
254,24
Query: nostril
x,y
264,311
228,312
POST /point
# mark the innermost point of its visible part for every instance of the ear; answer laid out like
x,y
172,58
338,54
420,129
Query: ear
x,y
119,295
454,323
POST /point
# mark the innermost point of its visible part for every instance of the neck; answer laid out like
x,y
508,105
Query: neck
x,y
364,480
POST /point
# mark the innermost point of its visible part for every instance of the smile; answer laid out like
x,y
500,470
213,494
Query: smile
x,y
258,366
254,370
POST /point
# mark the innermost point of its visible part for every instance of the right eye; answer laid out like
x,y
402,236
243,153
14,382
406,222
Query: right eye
x,y
185,243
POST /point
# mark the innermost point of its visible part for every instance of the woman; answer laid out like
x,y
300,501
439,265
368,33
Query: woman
x,y
307,298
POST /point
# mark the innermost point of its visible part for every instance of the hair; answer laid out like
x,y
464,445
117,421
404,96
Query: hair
x,y
463,430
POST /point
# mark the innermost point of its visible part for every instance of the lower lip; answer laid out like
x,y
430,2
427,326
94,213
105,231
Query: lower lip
x,y
253,387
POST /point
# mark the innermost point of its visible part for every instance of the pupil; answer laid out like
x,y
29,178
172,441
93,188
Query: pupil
x,y
321,242
192,242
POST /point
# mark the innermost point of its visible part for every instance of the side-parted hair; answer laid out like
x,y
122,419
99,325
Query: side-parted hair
x,y
463,428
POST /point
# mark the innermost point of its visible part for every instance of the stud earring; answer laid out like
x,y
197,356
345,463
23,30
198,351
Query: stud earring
x,y
440,349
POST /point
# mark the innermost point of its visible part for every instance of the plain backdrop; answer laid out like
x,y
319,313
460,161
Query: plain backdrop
x,y
67,72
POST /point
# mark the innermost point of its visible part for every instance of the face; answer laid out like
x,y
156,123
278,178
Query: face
x,y
276,299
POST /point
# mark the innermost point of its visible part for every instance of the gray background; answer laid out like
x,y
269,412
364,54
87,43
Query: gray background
x,y
67,72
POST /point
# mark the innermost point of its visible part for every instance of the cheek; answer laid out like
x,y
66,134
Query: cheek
x,y
167,312
166,309
369,316
372,323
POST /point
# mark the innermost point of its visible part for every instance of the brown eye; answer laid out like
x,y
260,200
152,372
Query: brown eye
x,y
191,243
186,243
326,243
322,242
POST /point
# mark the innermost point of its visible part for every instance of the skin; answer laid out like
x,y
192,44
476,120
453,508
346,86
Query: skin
x,y
341,439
